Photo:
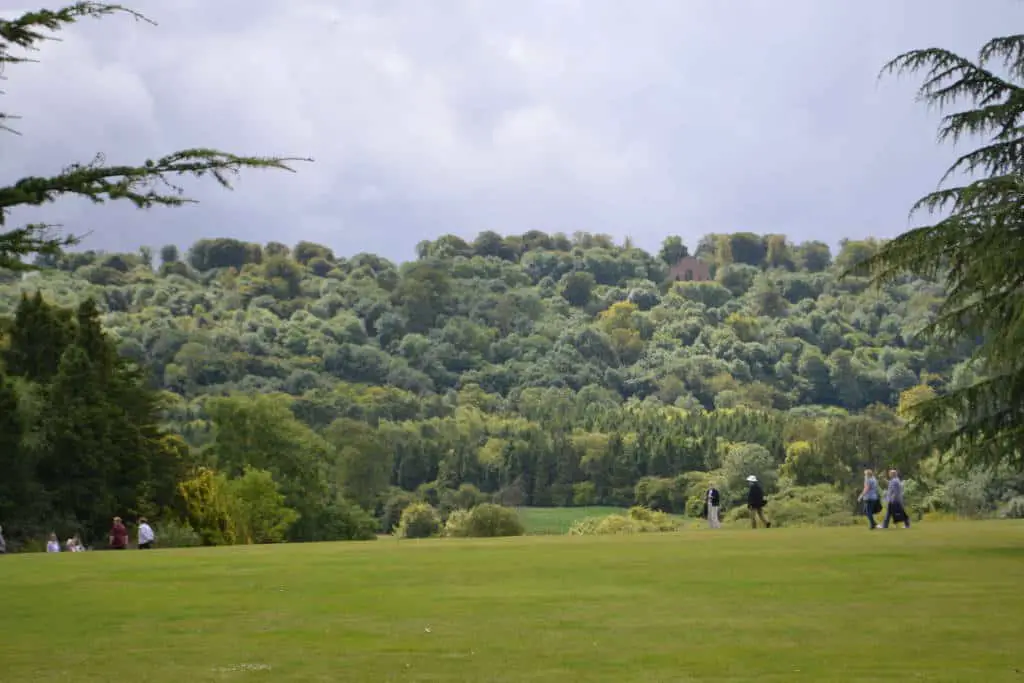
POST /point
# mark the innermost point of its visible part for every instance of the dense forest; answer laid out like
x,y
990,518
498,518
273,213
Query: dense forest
x,y
256,393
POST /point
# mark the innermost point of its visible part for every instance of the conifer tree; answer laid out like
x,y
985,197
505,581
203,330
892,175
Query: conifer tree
x,y
977,245
145,185
13,477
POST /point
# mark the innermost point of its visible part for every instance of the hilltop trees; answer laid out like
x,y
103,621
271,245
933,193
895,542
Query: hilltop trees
x,y
145,185
978,246
323,405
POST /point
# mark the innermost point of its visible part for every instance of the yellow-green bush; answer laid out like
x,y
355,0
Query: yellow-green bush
x,y
820,505
457,524
419,520
483,521
637,520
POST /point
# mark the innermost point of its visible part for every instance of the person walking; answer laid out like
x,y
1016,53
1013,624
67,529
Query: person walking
x,y
52,544
894,509
756,502
870,498
3,542
118,535
146,535
712,503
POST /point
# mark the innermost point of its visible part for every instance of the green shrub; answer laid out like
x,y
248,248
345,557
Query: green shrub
x,y
395,503
174,534
1013,508
819,505
486,520
653,520
419,520
457,524
584,493
342,520
490,520
585,527
658,493
262,516
618,524
638,520
466,497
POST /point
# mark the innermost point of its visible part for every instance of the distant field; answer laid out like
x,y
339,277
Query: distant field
x,y
558,520
941,602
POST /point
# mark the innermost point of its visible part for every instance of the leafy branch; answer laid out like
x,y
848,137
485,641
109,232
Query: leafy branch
x,y
150,184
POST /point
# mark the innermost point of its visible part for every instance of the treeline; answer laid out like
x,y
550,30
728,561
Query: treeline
x,y
298,395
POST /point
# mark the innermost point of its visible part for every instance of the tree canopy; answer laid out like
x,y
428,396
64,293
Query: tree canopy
x,y
976,245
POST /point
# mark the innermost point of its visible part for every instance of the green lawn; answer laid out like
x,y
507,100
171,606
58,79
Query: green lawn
x,y
941,602
558,520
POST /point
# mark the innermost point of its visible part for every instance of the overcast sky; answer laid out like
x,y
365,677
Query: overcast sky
x,y
641,119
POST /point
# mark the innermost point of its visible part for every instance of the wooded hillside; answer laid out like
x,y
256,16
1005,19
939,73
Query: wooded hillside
x,y
535,369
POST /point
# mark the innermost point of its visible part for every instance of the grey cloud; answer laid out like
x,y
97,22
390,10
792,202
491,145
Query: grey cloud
x,y
639,119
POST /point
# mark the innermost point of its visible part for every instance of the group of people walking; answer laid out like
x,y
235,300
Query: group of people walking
x,y
870,498
755,505
117,540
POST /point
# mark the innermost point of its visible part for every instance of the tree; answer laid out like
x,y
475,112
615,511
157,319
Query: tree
x,y
145,185
577,287
260,431
364,464
672,250
263,516
977,247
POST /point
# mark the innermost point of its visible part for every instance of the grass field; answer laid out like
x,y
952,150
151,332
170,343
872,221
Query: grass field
x,y
558,520
940,602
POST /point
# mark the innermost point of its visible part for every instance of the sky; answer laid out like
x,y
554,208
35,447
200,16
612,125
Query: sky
x,y
636,119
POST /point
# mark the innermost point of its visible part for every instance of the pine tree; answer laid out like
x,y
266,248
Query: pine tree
x,y
146,185
37,339
978,246
14,479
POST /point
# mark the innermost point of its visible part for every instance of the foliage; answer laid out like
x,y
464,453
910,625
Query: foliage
x,y
1013,508
341,520
636,520
818,505
977,245
263,515
457,524
173,534
146,185
355,416
267,392
484,520
210,508
419,520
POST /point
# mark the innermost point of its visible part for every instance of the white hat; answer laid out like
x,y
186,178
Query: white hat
x,y
752,479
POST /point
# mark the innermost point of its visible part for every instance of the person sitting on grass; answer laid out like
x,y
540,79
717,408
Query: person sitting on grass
x,y
756,502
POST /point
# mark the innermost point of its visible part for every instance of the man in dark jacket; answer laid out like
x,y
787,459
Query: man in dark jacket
x,y
756,502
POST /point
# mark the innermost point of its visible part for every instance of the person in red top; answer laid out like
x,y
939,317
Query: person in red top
x,y
118,535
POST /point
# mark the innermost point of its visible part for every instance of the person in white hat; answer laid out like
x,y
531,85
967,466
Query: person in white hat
x,y
756,502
